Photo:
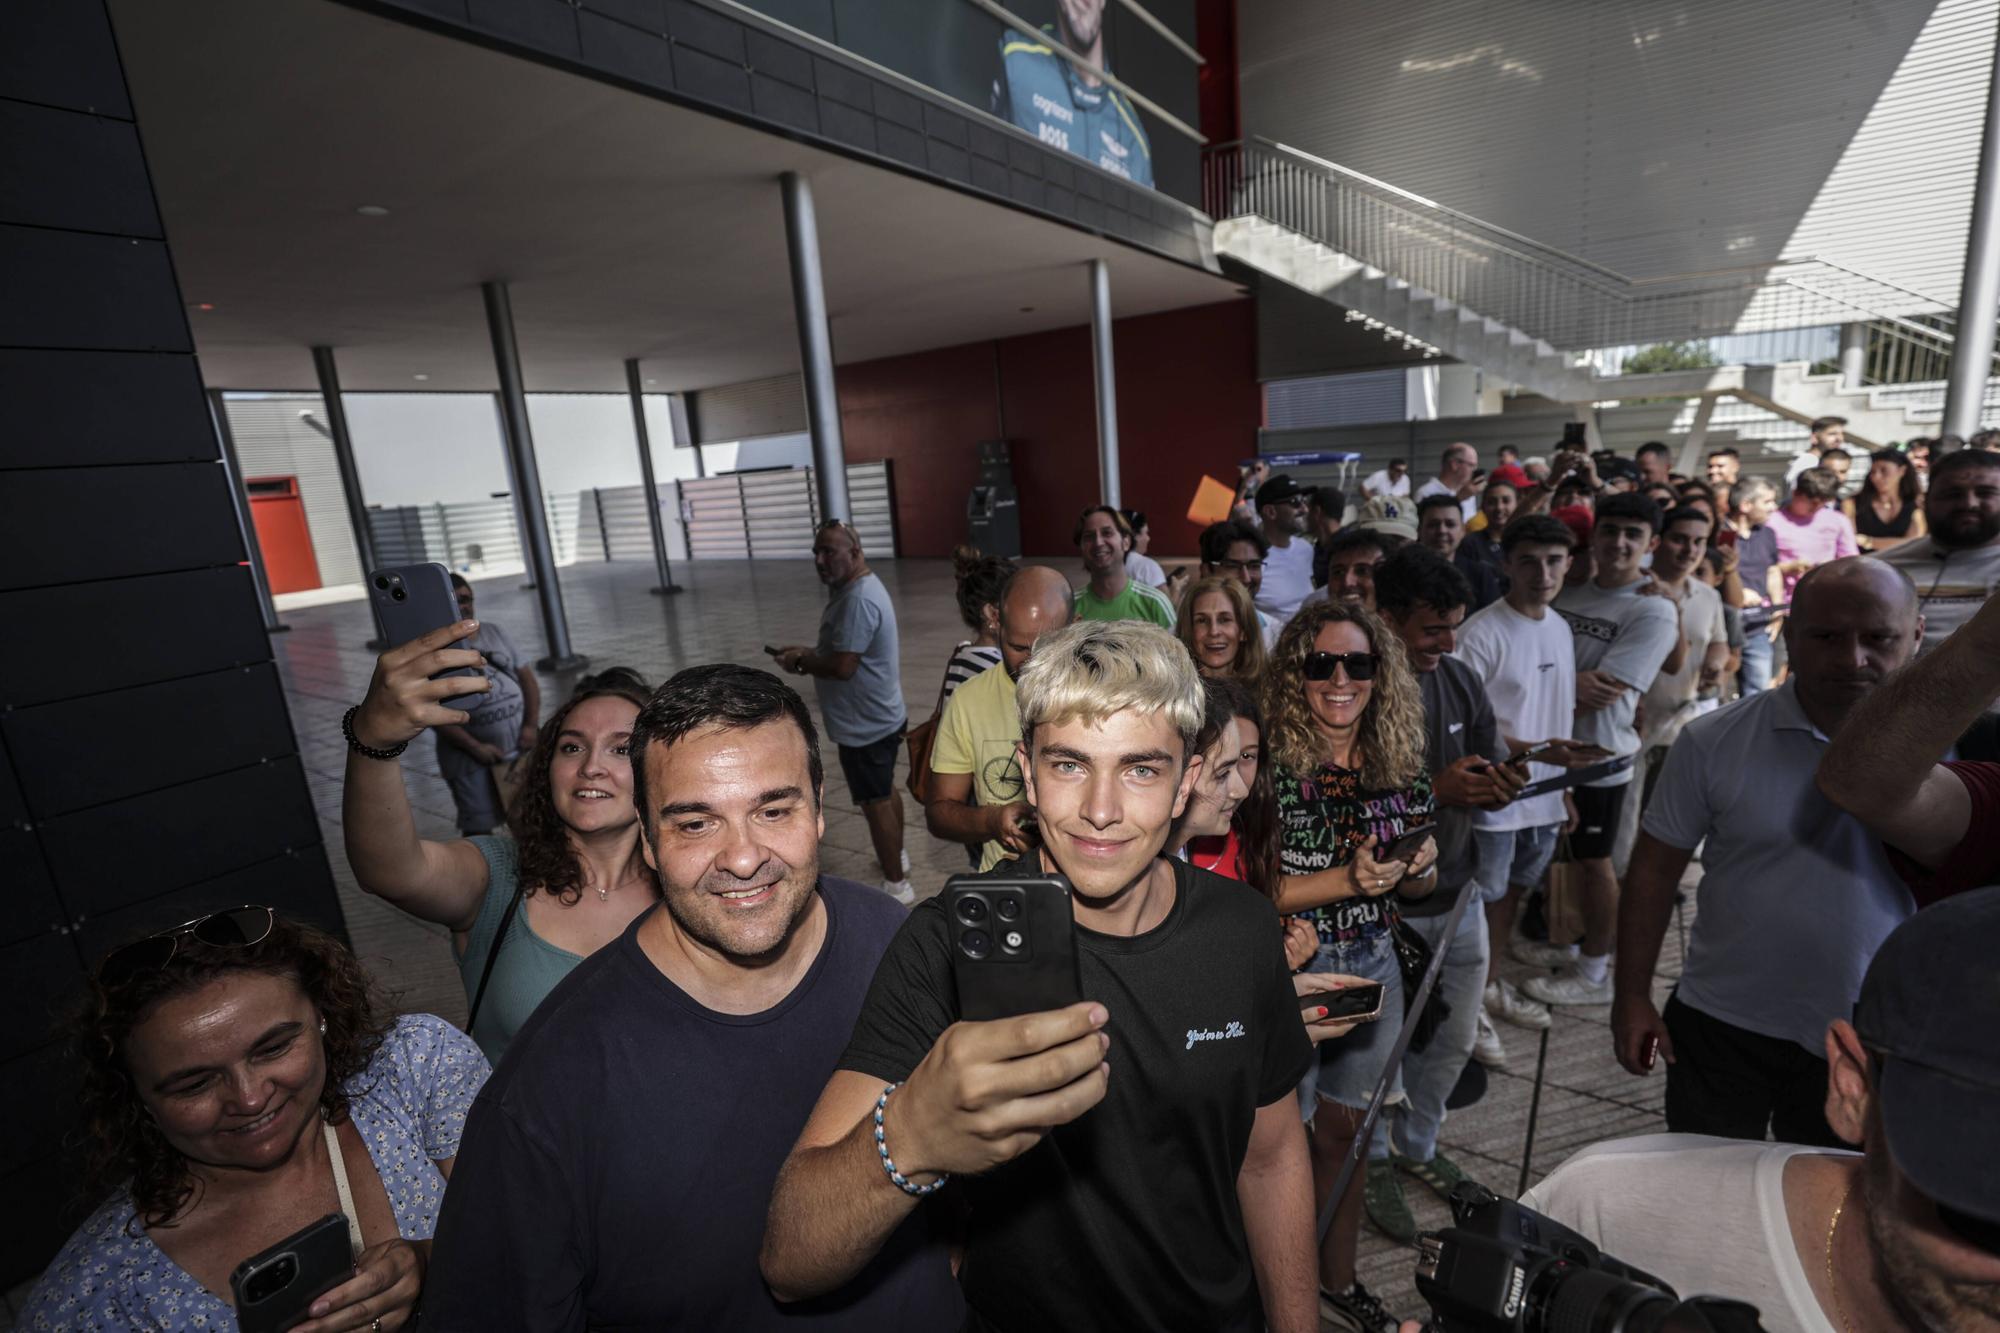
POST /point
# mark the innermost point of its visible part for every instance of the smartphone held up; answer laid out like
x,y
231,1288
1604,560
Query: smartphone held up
x,y
1013,945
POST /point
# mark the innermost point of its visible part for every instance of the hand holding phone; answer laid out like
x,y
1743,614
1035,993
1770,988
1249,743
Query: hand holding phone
x,y
1347,1002
414,687
275,1289
1406,847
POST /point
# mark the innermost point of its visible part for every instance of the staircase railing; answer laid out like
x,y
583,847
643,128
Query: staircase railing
x,y
1567,301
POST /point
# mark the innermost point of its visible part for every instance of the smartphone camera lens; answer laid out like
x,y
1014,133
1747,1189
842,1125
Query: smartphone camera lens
x,y
1007,909
381,582
971,910
271,1279
399,594
976,943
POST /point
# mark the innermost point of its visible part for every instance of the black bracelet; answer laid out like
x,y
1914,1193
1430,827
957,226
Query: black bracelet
x,y
354,741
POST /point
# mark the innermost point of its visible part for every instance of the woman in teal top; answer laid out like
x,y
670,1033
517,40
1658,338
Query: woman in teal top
x,y
568,881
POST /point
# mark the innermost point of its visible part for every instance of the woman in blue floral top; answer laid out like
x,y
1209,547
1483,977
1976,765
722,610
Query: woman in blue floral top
x,y
239,1070
1345,733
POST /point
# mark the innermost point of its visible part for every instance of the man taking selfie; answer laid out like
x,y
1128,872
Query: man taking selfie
x,y
1134,1160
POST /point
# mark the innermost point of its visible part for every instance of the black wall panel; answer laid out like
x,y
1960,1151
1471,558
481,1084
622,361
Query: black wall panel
x,y
297,884
80,289
85,409
69,525
40,982
123,632
61,53
45,1109
59,169
28,902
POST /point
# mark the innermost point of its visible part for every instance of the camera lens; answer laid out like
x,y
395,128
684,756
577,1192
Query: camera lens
x,y
271,1279
381,582
972,911
976,943
399,594
1007,909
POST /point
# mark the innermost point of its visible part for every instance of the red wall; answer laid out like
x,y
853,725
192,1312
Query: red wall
x,y
1188,405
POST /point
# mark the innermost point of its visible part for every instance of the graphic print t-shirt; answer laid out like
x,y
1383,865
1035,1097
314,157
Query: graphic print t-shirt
x,y
1323,816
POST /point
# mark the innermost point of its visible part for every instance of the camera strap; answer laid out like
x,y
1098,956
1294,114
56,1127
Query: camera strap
x,y
1413,1009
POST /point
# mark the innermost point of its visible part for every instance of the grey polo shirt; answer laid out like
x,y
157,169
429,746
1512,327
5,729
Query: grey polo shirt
x,y
1795,894
861,710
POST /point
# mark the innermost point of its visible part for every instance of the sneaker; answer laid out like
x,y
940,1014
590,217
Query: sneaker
x,y
1354,1311
1440,1173
1486,1045
906,863
1510,1006
1568,988
1548,957
1385,1204
901,890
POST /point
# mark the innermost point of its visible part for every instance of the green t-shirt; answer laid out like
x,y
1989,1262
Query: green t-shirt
x,y
529,966
977,734
1138,601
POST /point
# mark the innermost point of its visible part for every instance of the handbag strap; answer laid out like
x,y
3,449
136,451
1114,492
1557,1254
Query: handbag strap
x,y
492,957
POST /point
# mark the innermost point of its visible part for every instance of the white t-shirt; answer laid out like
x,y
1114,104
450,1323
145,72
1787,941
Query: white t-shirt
x,y
1627,637
1287,578
1670,703
1529,670
1380,483
1707,1216
1144,569
1470,505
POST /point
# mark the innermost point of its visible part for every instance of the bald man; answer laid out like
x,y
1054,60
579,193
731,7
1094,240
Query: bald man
x,y
1795,893
976,783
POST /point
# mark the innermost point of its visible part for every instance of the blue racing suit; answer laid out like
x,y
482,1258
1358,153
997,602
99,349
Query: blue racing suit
x,y
1045,95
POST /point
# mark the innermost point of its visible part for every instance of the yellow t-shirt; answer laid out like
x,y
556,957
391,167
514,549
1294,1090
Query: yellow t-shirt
x,y
977,735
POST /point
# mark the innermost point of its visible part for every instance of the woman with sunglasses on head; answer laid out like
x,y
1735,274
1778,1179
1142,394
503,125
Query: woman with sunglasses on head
x,y
241,1080
523,910
1218,623
1345,738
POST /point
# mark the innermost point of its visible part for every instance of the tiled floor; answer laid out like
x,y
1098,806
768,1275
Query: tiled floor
x,y
730,609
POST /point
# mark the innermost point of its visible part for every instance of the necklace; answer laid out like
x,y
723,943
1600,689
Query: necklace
x,y
603,894
1832,1285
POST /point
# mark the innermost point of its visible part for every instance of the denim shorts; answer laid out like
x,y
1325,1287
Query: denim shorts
x,y
1347,1068
1513,856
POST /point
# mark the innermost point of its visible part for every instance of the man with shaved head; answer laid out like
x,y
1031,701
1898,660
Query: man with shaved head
x,y
977,793
1795,893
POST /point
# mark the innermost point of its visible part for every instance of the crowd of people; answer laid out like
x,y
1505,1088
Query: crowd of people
x,y
704,1084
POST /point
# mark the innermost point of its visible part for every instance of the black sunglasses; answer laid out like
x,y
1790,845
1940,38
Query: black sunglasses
x,y
1360,666
236,928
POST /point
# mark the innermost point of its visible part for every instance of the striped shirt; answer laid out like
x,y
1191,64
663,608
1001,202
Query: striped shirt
x,y
967,661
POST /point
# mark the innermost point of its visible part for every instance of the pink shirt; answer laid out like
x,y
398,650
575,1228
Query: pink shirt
x,y
1826,536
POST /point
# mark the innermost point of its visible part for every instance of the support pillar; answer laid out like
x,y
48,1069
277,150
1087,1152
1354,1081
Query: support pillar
x,y
1109,491
239,499
350,476
1979,290
653,521
815,349
1853,355
527,480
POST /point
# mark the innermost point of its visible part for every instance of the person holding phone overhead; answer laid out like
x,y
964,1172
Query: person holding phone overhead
x,y
523,910
500,725
240,1078
1346,735
1054,1125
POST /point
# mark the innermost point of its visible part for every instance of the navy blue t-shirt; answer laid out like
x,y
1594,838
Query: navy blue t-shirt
x,y
616,1170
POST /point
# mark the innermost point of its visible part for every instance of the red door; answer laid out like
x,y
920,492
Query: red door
x,y
279,515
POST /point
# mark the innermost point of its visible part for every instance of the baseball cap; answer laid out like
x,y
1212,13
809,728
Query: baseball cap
x,y
1393,515
1578,520
1513,474
1930,1009
1279,487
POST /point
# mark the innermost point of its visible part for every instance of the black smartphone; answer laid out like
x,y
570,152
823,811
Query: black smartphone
x,y
410,602
770,650
1533,752
1013,944
275,1288
1363,1002
1405,847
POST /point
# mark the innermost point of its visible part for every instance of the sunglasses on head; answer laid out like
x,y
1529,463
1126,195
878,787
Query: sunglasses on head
x,y
1360,666
237,928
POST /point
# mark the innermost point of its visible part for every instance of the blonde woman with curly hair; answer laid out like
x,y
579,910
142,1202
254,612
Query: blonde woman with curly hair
x,y
1218,623
1344,724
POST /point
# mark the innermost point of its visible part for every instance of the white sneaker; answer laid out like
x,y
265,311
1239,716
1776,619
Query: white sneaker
x,y
1546,956
1509,1006
1568,988
901,890
1486,1044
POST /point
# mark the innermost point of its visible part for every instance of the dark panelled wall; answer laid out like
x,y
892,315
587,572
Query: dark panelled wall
x,y
1189,404
148,771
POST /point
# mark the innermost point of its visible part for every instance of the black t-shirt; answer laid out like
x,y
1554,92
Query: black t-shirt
x,y
616,1171
1127,1217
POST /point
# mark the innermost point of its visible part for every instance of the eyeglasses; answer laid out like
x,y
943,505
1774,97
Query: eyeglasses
x,y
237,928
1243,566
1360,666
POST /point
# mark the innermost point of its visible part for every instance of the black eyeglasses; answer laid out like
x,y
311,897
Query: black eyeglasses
x,y
1244,565
1360,666
237,928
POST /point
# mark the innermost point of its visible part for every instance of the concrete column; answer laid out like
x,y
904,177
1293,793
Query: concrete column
x,y
527,480
815,349
659,529
343,458
1853,355
1979,291
239,499
1104,370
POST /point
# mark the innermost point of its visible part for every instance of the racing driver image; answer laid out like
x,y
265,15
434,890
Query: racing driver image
x,y
1069,106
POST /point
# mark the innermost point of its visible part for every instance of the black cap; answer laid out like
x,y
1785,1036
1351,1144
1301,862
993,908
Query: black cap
x,y
1279,487
1930,1010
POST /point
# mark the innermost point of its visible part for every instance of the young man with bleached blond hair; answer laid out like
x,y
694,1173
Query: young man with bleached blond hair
x,y
1147,1136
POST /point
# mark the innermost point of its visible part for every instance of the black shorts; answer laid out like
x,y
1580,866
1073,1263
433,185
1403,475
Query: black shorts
x,y
871,768
1596,820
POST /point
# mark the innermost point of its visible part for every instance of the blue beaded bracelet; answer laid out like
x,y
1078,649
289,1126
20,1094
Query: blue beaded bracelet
x,y
888,1164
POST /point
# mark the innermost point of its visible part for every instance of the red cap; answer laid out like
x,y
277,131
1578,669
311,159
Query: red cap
x,y
1579,520
1514,475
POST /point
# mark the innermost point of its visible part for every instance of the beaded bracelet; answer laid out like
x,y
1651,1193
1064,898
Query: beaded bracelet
x,y
354,742
882,1148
